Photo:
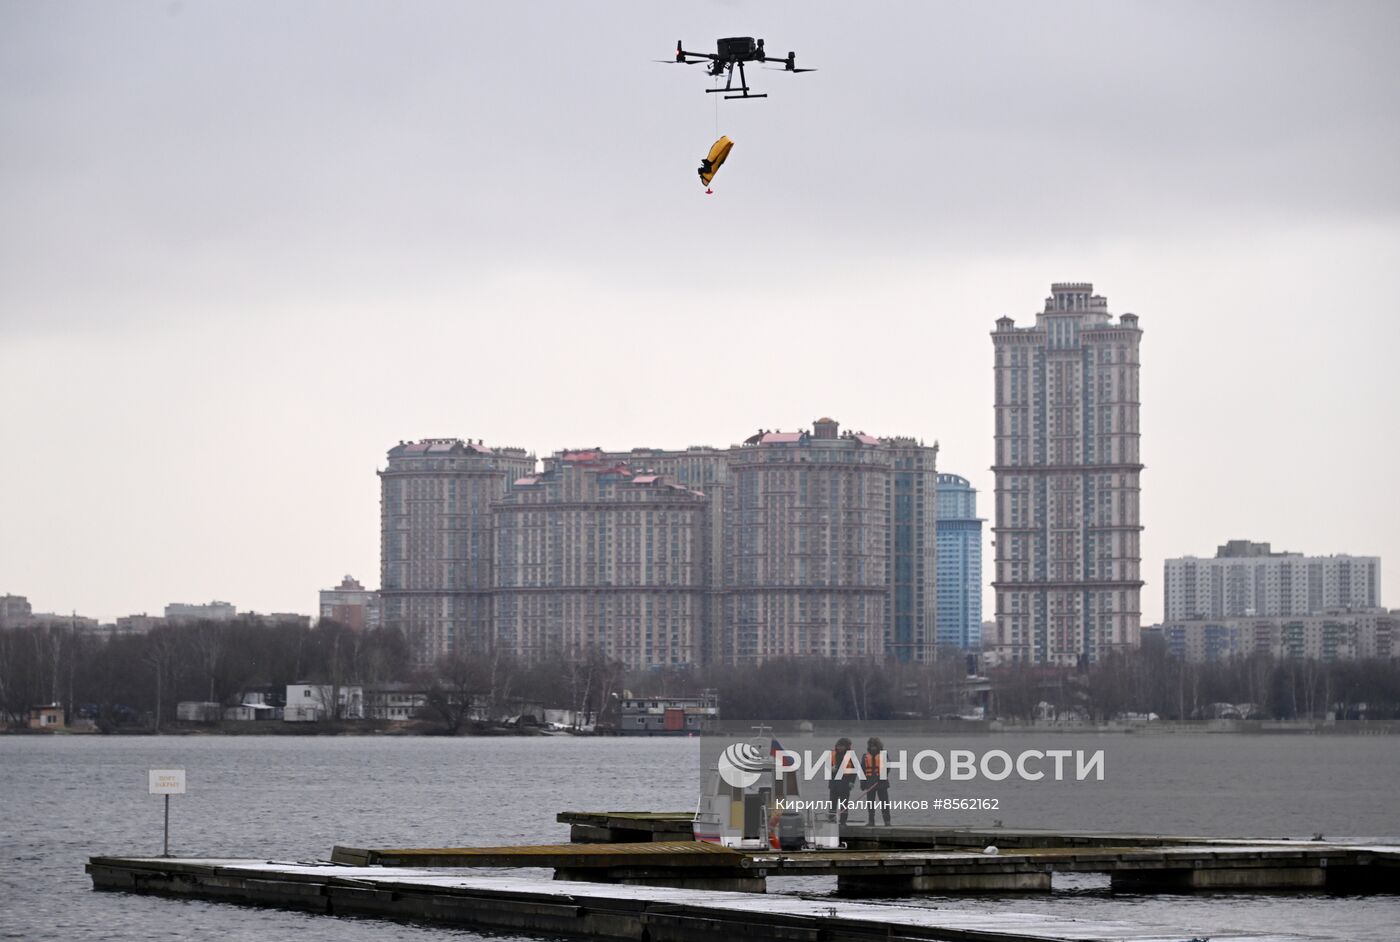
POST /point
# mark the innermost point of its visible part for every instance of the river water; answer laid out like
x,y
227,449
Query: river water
x,y
63,799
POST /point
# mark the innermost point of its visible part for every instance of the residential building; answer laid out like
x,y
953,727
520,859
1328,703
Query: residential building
x,y
1339,635
72,622
911,549
959,564
208,611
705,469
137,624
1246,578
807,543
1067,577
352,605
809,537
593,556
14,611
436,561
277,619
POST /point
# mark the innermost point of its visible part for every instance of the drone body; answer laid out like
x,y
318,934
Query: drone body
x,y
729,54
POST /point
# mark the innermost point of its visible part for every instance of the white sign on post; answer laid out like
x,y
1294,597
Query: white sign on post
x,y
167,781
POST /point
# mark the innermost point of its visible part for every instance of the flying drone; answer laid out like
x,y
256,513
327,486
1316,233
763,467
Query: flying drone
x,y
729,53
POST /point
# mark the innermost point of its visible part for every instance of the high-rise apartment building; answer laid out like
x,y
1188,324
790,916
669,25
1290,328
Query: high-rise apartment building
x,y
813,531
1067,481
810,543
704,469
959,564
592,556
436,539
1245,579
912,549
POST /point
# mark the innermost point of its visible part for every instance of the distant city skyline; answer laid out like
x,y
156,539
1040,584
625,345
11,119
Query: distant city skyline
x,y
811,542
239,257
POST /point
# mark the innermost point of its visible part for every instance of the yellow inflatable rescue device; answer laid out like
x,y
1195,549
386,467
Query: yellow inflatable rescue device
x,y
711,162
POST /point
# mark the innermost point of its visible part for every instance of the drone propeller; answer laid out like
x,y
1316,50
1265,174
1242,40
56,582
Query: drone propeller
x,y
681,61
774,69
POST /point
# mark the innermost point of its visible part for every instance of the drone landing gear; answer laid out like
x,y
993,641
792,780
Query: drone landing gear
x,y
743,85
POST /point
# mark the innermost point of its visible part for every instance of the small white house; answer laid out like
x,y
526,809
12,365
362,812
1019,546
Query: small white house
x,y
310,703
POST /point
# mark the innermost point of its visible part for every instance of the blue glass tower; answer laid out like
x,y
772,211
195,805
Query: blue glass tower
x,y
959,618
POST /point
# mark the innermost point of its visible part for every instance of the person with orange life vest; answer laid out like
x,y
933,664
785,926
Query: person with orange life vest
x,y
877,784
844,773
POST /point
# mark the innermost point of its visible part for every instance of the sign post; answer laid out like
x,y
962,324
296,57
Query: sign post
x,y
167,782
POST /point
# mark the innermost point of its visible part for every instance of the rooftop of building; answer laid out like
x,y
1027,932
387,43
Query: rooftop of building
x,y
1241,548
1074,299
595,462
825,430
450,447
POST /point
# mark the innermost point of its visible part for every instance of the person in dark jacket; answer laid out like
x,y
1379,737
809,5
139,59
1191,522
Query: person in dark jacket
x,y
843,777
877,783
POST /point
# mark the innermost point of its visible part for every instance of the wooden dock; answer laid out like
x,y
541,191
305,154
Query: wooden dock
x,y
1278,865
602,911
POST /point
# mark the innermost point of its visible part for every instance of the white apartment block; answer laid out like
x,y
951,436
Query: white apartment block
x,y
1268,584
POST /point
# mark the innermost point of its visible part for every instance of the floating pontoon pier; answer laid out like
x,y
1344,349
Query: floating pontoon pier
x,y
1279,865
623,827
644,914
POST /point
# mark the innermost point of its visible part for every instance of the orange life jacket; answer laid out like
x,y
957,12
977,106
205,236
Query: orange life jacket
x,y
873,766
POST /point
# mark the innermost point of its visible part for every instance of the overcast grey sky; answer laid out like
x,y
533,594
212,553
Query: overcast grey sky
x,y
246,247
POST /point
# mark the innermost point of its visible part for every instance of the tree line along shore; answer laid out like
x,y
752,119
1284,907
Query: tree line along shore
x,y
135,683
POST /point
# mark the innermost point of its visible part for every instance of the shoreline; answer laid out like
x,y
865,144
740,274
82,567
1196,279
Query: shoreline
x,y
979,728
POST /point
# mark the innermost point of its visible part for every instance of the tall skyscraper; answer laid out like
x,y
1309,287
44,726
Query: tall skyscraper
x,y
1067,481
959,564
913,549
436,542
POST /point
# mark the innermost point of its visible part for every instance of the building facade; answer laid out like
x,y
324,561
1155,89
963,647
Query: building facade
x,y
959,564
436,542
1322,636
351,604
1246,578
593,556
14,611
704,469
810,543
205,611
1067,527
812,530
